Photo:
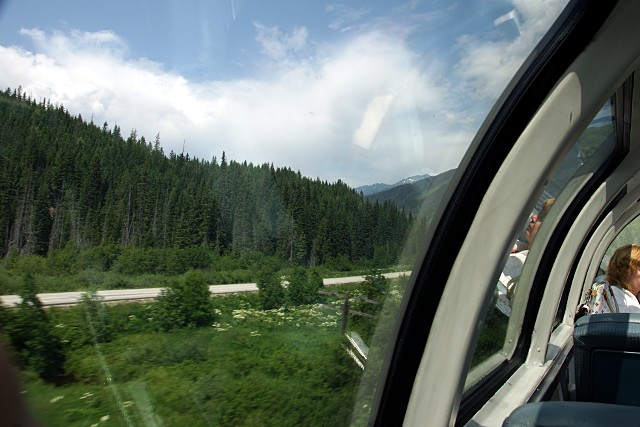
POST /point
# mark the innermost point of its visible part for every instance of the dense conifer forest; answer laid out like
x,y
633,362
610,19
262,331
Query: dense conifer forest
x,y
68,182
84,208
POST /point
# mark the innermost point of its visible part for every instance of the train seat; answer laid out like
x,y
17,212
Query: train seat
x,y
565,414
607,358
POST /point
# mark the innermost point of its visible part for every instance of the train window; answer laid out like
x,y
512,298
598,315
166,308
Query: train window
x,y
630,234
155,149
499,331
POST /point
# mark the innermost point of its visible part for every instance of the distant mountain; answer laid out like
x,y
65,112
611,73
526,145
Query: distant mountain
x,y
411,180
368,190
420,194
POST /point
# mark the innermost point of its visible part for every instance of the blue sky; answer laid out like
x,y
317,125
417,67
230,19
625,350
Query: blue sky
x,y
363,91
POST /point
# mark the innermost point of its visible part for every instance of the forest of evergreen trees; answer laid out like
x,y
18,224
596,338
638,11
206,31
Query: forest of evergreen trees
x,y
64,182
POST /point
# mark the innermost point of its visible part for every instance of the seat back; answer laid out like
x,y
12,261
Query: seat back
x,y
607,358
571,414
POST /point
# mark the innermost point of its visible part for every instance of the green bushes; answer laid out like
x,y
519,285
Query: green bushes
x,y
31,336
88,323
340,263
185,303
171,261
249,366
99,258
376,286
10,283
63,261
303,288
97,319
270,290
114,267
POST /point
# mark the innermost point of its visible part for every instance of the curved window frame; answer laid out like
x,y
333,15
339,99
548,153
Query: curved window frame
x,y
454,213
585,178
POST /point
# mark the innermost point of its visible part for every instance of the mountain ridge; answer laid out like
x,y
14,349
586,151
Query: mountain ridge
x,y
370,189
415,196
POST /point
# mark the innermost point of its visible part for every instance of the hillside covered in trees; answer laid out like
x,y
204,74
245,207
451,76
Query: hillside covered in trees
x,y
421,197
66,182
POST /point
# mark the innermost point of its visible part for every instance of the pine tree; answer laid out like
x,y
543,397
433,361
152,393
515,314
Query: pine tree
x,y
75,182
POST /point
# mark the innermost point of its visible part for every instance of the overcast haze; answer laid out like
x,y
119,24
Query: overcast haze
x,y
366,92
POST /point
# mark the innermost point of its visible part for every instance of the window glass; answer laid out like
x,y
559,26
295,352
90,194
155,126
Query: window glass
x,y
590,151
209,210
629,235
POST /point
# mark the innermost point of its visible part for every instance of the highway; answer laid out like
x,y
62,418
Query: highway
x,y
72,298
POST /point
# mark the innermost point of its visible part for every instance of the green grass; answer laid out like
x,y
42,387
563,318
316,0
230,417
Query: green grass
x,y
73,404
250,367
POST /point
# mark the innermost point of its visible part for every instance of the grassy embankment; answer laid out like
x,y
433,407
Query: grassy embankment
x,y
252,366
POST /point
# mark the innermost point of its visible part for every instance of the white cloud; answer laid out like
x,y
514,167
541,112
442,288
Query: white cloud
x,y
277,44
366,110
61,45
345,16
304,117
486,66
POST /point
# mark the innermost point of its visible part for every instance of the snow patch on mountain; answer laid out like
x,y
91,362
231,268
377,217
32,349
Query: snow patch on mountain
x,y
370,189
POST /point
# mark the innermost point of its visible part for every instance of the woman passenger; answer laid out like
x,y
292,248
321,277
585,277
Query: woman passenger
x,y
623,274
516,259
513,267
535,221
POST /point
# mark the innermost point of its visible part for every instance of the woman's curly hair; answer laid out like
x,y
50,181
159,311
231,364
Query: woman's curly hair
x,y
624,260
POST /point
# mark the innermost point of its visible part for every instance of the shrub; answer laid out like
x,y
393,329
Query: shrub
x,y
376,285
100,258
340,263
135,261
303,288
270,290
185,303
178,261
63,261
97,317
32,264
30,334
9,283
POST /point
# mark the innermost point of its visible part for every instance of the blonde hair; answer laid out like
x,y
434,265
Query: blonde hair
x,y
545,208
623,261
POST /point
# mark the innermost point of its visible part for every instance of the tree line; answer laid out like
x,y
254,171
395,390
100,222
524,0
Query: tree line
x,y
69,182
